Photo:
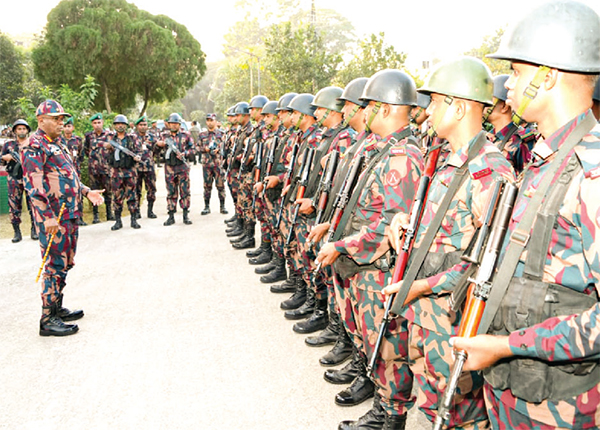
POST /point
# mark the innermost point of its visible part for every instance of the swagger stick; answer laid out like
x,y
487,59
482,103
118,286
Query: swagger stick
x,y
60,213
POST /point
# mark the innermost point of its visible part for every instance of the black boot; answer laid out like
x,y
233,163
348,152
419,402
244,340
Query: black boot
x,y
262,258
134,223
236,230
109,212
206,209
17,237
151,214
118,224
223,210
287,286
96,217
81,222
171,219
297,299
33,232
249,241
136,215
394,422
305,310
186,219
65,314
264,245
361,389
52,325
315,322
279,273
241,237
267,268
327,336
341,351
349,372
232,219
372,420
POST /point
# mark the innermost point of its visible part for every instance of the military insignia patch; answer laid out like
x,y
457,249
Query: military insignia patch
x,y
482,173
393,178
397,151
594,173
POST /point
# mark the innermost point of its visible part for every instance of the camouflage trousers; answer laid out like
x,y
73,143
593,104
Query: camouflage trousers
x,y
15,200
244,198
234,188
61,259
213,173
290,251
124,188
271,212
431,361
262,216
362,312
509,412
147,178
102,181
178,186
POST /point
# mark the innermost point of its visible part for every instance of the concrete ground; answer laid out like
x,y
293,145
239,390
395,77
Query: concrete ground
x,y
178,333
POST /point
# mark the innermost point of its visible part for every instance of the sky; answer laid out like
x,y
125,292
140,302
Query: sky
x,y
428,29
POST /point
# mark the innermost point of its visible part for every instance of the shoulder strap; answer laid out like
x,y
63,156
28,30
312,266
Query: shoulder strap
x,y
520,236
511,131
415,265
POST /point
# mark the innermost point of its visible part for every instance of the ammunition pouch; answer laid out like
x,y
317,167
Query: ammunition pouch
x,y
173,160
534,380
15,170
437,262
124,162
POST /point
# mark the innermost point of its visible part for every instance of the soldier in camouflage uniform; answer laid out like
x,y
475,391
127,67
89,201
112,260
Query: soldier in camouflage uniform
x,y
52,182
210,142
124,171
145,168
10,159
227,161
177,170
541,360
75,145
360,248
98,167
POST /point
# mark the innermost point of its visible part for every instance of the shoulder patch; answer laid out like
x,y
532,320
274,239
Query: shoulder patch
x,y
393,178
397,150
482,173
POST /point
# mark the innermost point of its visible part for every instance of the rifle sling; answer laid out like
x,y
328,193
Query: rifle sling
x,y
415,265
511,131
519,238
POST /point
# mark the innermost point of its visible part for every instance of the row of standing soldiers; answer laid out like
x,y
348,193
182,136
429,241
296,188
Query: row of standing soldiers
x,y
387,210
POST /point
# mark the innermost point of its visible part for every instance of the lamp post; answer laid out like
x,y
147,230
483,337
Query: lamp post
x,y
257,60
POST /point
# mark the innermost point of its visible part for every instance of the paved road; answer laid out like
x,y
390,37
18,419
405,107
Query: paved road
x,y
178,334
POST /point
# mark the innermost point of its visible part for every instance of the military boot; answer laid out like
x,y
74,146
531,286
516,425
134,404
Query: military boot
x,y
186,219
329,335
118,224
279,273
151,214
237,230
305,310
33,233
241,237
171,219
249,241
52,325
133,221
264,257
267,268
17,237
341,351
96,217
206,209
318,320
349,372
287,286
372,420
264,245
66,314
232,219
222,209
361,389
81,222
297,299
394,422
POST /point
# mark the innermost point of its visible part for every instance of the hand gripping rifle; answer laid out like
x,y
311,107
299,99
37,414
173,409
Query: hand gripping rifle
x,y
309,155
173,148
287,181
479,290
118,147
257,170
342,198
416,212
270,161
245,156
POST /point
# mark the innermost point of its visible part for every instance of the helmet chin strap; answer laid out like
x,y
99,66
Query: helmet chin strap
x,y
530,93
372,115
299,121
490,109
322,120
350,115
432,132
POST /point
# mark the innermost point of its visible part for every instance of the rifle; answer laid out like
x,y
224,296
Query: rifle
x,y
257,170
416,212
172,147
231,159
309,155
119,147
325,185
245,156
479,291
287,181
270,160
342,198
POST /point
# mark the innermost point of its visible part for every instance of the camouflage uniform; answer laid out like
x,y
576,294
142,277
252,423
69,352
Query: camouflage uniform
x,y
75,146
99,171
177,174
246,181
518,147
209,146
124,174
145,168
15,187
390,188
571,261
231,174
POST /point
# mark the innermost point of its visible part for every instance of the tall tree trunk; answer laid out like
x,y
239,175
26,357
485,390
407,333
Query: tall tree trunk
x,y
146,96
106,102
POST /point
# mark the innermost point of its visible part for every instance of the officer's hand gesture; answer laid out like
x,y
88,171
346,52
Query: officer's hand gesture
x,y
95,196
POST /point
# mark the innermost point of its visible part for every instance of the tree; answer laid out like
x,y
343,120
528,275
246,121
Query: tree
x,y
490,45
12,75
373,55
127,50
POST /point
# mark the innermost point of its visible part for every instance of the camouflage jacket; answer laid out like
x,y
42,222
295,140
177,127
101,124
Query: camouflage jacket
x,y
185,145
209,146
97,155
147,149
75,145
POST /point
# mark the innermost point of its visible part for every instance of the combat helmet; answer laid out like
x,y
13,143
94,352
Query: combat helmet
x,y
329,98
242,108
174,118
21,122
270,108
120,119
391,86
354,90
303,104
284,101
258,102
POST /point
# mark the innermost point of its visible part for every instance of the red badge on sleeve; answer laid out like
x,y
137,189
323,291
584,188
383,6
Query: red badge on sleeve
x,y
397,151
393,178
594,173
482,173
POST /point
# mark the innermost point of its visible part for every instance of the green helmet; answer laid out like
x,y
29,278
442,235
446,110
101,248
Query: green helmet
x,y
120,119
391,86
285,100
354,90
242,108
175,118
500,91
303,104
561,34
258,102
231,111
329,98
270,107
466,78
22,122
